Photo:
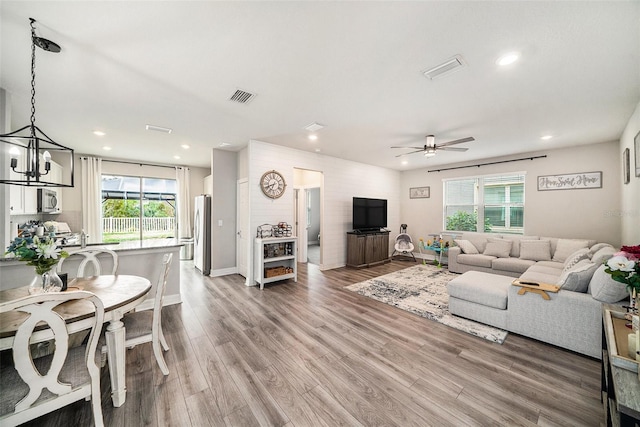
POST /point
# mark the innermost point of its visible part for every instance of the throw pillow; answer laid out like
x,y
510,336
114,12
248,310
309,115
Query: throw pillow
x,y
466,246
498,248
566,247
576,257
604,289
535,250
595,248
578,277
603,254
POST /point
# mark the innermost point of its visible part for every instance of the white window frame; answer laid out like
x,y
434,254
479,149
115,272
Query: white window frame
x,y
479,203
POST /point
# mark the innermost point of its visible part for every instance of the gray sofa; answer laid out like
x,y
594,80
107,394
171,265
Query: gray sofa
x,y
571,318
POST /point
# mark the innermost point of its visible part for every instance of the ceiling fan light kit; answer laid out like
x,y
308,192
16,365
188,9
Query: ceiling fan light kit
x,y
30,142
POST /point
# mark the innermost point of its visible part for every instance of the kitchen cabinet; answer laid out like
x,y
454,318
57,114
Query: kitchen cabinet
x,y
22,200
275,259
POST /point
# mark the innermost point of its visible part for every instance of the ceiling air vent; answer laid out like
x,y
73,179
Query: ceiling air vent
x,y
445,68
242,96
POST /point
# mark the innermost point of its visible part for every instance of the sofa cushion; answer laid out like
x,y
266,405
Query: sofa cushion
x,y
478,239
577,278
481,288
466,246
517,239
604,289
603,254
535,250
566,247
478,260
540,277
498,247
516,265
552,264
576,257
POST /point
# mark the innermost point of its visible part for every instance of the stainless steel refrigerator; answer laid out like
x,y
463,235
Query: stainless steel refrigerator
x,y
202,234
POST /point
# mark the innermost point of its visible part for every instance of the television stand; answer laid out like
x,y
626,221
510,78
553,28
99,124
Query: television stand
x,y
366,249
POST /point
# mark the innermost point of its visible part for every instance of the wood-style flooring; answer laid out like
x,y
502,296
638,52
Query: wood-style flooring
x,y
314,354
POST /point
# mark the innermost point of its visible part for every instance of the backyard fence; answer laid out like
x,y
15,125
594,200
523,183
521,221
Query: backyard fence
x,y
127,225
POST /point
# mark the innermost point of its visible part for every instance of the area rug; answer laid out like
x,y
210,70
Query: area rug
x,y
422,290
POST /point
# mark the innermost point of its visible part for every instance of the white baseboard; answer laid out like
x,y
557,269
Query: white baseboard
x,y
223,272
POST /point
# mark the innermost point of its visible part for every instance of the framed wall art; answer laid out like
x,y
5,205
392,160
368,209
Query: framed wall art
x,y
626,166
636,149
419,192
570,181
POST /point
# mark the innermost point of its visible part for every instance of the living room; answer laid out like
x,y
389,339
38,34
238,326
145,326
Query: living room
x,y
311,353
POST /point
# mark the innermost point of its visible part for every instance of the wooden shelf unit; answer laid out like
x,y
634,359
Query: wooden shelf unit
x,y
366,249
272,253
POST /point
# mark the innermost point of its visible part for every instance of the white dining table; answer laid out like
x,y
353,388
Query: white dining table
x,y
119,294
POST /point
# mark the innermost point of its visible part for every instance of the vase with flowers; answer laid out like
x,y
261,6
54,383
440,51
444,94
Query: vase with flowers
x,y
43,254
624,267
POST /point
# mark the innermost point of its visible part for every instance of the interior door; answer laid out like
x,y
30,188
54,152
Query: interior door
x,y
243,227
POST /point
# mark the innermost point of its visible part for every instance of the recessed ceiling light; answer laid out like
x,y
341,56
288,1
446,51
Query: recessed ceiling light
x,y
404,162
176,157
99,133
185,146
546,137
106,148
508,58
14,151
317,150
313,137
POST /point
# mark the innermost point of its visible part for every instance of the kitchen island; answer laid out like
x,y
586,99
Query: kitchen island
x,y
138,257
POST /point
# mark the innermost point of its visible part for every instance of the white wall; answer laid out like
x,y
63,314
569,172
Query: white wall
x,y
630,198
223,209
342,181
588,213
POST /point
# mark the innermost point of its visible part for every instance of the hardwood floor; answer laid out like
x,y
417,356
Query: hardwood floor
x,y
313,354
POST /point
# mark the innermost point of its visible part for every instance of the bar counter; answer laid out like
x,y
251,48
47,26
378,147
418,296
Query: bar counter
x,y
137,257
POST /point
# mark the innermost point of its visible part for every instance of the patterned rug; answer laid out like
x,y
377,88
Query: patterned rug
x,y
422,290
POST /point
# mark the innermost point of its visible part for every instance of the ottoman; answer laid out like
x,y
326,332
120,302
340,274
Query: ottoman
x,y
481,297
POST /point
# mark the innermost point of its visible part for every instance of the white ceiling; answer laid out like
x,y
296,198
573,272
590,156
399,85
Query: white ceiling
x,y
355,67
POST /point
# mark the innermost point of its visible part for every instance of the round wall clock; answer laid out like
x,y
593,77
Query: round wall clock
x,y
272,184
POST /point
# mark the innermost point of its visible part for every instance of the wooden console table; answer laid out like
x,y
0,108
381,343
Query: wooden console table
x,y
620,387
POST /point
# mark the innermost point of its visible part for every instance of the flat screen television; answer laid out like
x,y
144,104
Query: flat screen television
x,y
369,214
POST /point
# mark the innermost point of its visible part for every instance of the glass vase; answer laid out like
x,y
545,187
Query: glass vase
x,y
49,281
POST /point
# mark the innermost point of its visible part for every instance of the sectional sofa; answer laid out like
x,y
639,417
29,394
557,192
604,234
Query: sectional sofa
x,y
570,318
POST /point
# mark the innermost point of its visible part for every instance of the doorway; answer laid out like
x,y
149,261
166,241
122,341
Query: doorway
x,y
308,215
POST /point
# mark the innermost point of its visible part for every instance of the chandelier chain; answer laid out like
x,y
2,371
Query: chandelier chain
x,y
33,78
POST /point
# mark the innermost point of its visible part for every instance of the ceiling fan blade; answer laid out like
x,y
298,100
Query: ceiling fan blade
x,y
411,152
457,141
452,148
415,148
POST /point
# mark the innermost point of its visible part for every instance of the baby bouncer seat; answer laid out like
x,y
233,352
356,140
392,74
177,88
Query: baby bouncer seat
x,y
404,244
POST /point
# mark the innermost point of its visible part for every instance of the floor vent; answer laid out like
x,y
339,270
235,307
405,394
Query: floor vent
x,y
445,68
242,97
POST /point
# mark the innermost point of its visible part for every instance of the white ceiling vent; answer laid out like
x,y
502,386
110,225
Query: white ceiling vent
x,y
445,68
159,128
241,96
314,127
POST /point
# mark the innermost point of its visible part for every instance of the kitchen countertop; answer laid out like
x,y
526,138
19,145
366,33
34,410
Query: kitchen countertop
x,y
131,245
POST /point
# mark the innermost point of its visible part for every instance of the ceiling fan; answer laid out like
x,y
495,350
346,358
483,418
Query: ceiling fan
x,y
430,148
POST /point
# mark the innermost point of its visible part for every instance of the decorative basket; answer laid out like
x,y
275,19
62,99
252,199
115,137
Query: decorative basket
x,y
264,230
282,230
277,271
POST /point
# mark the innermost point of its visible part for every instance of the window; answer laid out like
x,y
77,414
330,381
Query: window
x,y
490,203
136,208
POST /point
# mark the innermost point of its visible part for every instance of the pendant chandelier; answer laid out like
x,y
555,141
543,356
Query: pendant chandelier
x,y
34,159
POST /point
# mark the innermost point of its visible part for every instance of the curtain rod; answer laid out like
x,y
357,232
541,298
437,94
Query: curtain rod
x,y
140,163
490,163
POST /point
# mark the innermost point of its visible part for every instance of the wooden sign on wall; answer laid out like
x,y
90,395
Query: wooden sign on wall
x,y
570,181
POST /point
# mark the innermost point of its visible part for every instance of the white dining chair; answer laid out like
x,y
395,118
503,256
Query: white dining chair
x,y
72,373
146,326
89,257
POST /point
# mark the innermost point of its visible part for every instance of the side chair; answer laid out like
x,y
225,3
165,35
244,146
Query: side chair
x,y
89,257
71,374
146,326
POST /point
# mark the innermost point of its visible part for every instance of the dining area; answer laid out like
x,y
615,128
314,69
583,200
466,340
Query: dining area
x,y
55,345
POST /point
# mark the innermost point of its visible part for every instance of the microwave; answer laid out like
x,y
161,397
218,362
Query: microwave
x,y
48,201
